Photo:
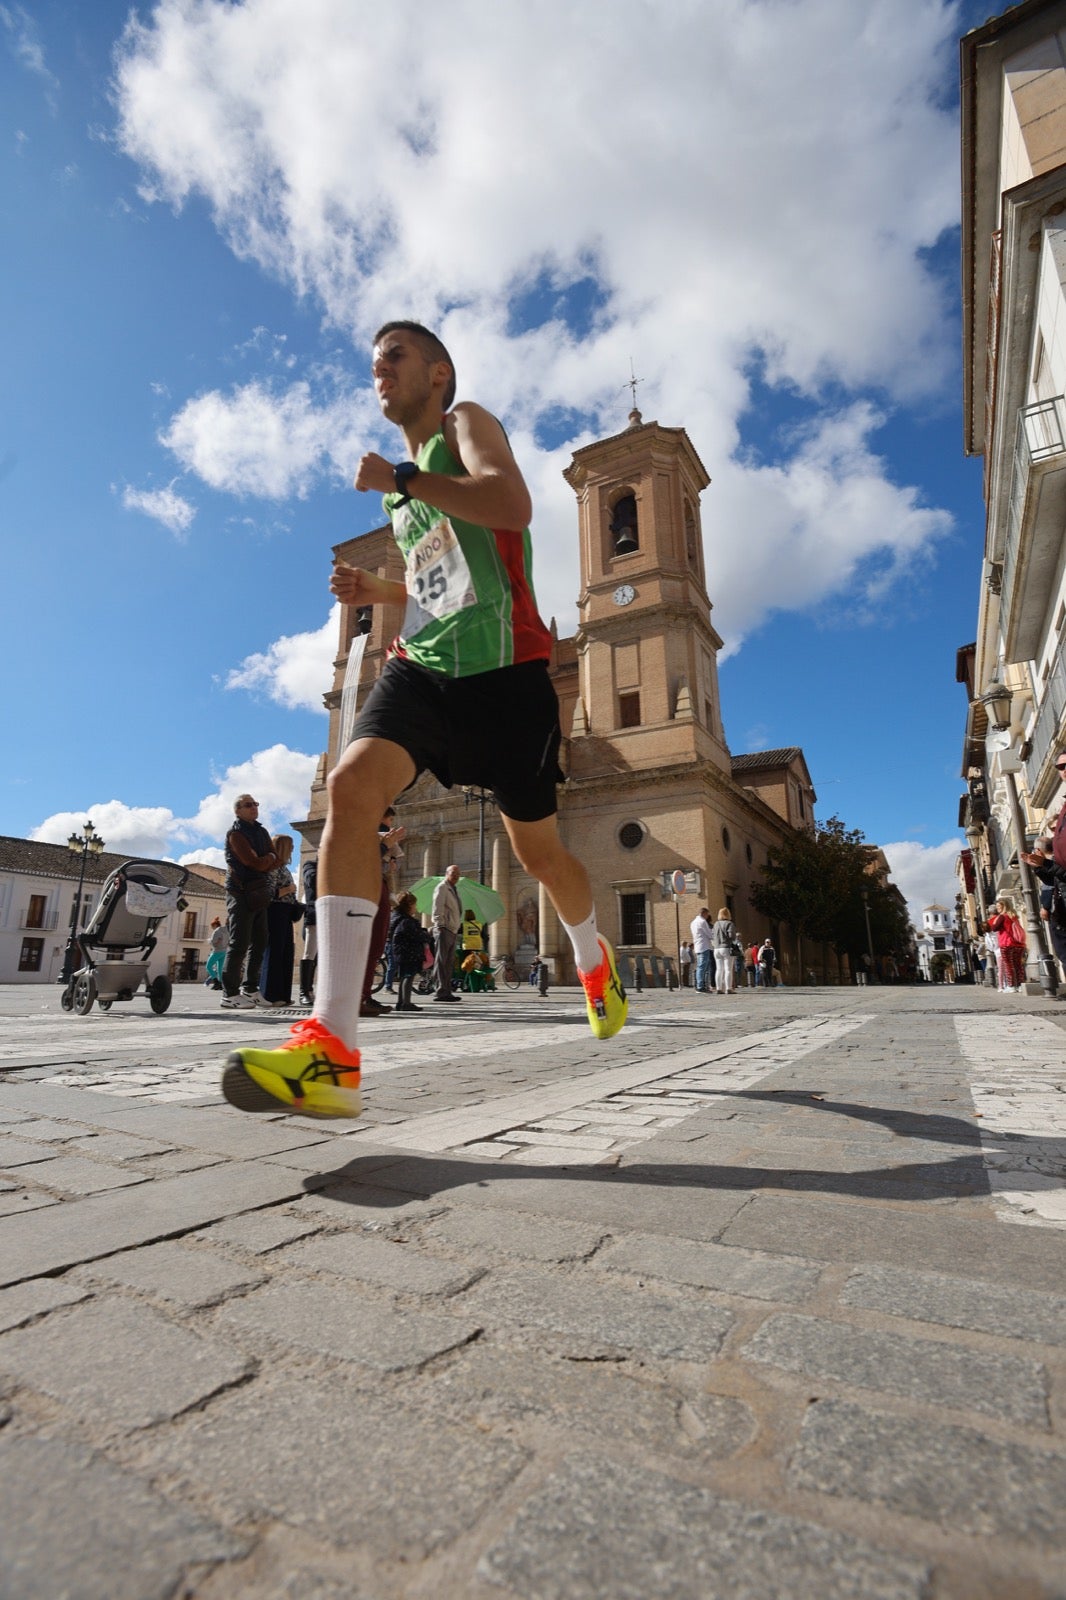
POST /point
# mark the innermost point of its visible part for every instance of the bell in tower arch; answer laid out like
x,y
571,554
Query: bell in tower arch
x,y
624,526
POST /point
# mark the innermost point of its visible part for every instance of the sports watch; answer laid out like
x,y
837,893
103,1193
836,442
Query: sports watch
x,y
402,474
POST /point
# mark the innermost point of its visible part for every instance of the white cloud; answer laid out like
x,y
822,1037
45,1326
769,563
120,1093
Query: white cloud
x,y
268,443
296,670
746,184
26,47
279,778
211,856
924,874
164,505
126,830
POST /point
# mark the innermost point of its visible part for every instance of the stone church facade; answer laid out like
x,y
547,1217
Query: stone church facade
x,y
651,787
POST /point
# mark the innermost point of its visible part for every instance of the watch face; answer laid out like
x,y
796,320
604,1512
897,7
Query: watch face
x,y
624,594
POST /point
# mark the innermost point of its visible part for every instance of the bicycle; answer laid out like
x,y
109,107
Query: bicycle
x,y
506,971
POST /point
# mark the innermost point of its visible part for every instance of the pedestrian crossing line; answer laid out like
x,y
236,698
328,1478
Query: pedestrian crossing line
x,y
1017,1070
641,1098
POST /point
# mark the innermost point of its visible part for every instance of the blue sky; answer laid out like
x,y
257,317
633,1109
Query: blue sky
x,y
208,208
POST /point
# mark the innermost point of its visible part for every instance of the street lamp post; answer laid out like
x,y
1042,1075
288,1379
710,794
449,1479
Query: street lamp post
x,y
869,935
84,844
481,799
998,700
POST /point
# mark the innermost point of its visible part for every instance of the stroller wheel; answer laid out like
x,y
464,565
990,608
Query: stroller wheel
x,y
105,1005
159,994
84,993
66,999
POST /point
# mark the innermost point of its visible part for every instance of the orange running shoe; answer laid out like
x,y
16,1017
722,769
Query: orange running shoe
x,y
312,1074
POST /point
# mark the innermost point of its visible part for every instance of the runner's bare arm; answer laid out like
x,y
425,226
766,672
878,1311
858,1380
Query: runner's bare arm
x,y
354,586
493,493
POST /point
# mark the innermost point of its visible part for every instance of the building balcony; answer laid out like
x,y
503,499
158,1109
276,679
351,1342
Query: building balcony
x,y
1041,779
38,924
1036,515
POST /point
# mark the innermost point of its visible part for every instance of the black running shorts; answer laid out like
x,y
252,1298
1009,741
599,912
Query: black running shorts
x,y
497,730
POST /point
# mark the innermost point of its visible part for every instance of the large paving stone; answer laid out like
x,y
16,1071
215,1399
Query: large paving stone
x,y
26,1301
15,1153
515,1233
956,1477
392,1266
587,1314
592,1403
76,1528
339,1322
924,1240
185,1277
74,1175
354,1467
691,1210
713,1266
942,1374
260,1231
956,1302
83,1230
603,1528
120,1364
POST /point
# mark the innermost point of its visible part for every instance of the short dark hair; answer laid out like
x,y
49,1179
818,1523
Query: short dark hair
x,y
430,346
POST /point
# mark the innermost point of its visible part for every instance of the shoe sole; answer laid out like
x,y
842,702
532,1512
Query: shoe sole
x,y
244,1092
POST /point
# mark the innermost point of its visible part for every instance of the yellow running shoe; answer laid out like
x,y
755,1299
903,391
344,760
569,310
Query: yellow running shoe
x,y
605,996
312,1074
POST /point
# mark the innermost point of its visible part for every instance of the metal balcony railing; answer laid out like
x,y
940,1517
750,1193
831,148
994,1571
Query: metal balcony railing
x,y
39,924
1040,435
1044,735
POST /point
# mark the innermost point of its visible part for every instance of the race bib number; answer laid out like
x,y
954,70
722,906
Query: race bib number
x,y
438,579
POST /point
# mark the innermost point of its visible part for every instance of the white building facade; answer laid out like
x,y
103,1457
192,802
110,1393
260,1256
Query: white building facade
x,y
38,889
1014,320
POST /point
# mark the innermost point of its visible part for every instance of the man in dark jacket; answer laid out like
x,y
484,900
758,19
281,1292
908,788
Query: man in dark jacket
x,y
249,858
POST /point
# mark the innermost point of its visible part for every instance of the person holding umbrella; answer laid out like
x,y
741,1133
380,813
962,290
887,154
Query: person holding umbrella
x,y
465,694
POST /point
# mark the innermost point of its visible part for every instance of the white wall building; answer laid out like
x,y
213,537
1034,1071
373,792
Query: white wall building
x,y
1014,337
38,887
937,933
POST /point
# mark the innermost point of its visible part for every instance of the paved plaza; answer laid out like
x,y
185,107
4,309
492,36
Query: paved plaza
x,y
764,1299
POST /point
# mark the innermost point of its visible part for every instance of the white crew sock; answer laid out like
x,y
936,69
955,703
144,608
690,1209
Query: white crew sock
x,y
588,952
344,928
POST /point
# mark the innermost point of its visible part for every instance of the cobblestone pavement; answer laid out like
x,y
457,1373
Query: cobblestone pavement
x,y
765,1298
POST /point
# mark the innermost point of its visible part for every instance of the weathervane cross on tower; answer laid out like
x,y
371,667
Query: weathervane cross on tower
x,y
631,384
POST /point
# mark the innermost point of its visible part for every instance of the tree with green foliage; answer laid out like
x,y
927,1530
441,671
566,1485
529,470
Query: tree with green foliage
x,y
814,881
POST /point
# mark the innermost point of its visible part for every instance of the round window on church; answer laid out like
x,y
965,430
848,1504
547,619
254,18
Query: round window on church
x,y
726,840
630,835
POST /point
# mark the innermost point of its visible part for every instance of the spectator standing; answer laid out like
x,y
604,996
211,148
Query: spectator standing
x,y
754,955
447,919
767,963
389,840
284,910
723,942
684,960
1012,945
217,955
309,881
751,970
408,940
702,948
249,858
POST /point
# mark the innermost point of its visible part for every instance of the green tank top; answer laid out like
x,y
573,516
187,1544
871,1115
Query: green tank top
x,y
470,601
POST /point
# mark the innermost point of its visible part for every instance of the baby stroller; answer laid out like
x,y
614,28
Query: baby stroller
x,y
118,942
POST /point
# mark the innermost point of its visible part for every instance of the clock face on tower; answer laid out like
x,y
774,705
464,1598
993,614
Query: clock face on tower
x,y
624,594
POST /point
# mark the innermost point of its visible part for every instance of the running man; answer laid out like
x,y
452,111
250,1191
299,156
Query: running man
x,y
465,693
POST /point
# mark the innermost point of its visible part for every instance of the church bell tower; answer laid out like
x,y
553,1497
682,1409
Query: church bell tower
x,y
647,650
